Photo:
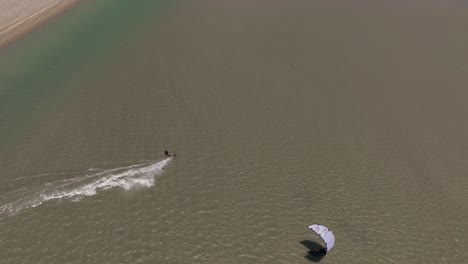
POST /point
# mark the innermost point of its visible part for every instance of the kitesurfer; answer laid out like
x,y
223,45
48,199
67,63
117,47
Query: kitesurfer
x,y
169,155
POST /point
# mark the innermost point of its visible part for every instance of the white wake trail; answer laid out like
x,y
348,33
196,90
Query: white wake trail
x,y
141,175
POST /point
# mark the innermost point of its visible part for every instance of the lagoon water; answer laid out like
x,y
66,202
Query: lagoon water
x,y
351,114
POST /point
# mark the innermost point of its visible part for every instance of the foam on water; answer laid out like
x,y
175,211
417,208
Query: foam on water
x,y
141,175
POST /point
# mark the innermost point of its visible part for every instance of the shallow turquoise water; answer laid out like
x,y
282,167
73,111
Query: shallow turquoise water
x,y
62,54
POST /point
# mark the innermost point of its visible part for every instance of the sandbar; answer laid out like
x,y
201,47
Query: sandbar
x,y
18,17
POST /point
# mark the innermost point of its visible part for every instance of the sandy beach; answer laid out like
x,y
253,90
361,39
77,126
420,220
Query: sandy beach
x,y
18,17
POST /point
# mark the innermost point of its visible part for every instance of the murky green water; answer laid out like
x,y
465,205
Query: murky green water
x,y
282,114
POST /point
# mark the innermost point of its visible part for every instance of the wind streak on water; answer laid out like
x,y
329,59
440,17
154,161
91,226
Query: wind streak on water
x,y
87,185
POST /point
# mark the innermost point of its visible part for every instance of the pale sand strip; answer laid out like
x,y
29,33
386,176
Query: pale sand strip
x,y
29,18
20,17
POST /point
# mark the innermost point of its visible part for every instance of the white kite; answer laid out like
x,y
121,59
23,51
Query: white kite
x,y
326,235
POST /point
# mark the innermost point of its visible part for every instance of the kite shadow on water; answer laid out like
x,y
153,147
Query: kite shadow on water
x,y
316,251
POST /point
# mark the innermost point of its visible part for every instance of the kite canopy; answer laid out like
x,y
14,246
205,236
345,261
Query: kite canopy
x,y
326,235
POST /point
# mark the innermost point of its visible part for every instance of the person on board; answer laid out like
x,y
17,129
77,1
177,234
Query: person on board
x,y
169,155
